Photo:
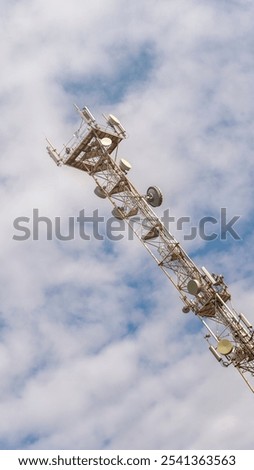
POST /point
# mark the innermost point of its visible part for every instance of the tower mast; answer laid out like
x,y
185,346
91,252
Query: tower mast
x,y
91,149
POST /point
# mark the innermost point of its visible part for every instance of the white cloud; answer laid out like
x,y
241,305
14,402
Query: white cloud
x,y
94,350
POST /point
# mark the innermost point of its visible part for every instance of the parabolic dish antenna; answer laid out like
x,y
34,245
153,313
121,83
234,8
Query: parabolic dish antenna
x,y
224,347
124,165
100,192
154,196
106,141
117,213
193,287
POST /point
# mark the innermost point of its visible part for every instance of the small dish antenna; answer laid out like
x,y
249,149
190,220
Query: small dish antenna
x,y
124,165
193,287
154,196
100,192
106,141
117,213
185,309
225,347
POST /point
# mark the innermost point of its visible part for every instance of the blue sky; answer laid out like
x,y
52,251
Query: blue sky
x,y
94,350
132,71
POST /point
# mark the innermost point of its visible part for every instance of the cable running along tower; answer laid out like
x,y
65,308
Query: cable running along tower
x,y
93,149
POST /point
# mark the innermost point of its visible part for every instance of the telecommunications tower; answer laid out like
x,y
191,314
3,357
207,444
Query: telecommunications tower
x,y
93,149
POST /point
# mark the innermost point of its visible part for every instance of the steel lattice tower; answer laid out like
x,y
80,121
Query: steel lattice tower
x,y
91,149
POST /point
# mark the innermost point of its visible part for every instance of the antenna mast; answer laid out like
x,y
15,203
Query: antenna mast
x,y
229,334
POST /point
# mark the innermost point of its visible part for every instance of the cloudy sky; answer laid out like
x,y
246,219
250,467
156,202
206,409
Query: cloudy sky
x,y
95,352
